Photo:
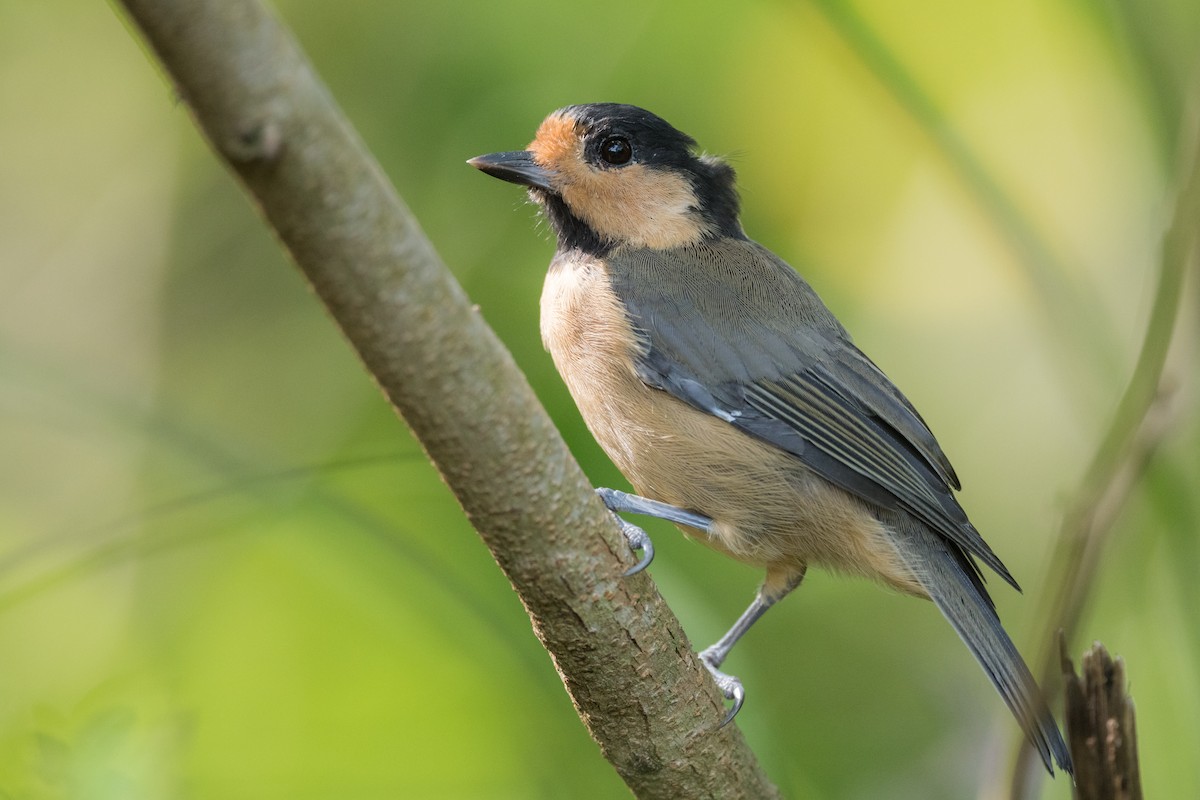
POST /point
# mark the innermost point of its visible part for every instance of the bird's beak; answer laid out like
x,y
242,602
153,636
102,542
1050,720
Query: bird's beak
x,y
514,167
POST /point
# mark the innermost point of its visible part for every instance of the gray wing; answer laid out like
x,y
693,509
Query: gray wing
x,y
789,376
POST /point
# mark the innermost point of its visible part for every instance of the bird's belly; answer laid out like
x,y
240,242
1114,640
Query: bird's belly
x,y
769,509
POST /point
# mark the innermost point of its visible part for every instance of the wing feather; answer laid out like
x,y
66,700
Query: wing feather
x,y
798,382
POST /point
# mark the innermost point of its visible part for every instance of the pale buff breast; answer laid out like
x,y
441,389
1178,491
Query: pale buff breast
x,y
769,509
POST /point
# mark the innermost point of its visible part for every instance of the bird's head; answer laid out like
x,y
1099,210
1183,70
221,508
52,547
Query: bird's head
x,y
610,175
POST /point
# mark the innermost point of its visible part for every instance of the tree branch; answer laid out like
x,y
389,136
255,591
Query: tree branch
x,y
626,662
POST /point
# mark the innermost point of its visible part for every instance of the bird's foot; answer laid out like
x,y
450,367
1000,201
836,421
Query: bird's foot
x,y
620,502
638,540
730,685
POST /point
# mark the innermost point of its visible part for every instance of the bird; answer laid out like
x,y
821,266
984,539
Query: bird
x,y
734,401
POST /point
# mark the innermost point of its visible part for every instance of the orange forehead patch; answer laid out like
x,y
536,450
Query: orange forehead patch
x,y
557,145
632,205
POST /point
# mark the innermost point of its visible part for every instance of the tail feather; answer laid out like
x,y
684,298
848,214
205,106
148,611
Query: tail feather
x,y
956,588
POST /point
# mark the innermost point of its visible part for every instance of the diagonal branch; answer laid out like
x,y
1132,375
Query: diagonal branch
x,y
620,651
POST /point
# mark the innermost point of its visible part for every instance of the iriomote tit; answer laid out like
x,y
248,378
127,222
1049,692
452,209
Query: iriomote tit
x,y
733,400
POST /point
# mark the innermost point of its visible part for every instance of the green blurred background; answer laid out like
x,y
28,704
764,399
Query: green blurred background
x,y
226,569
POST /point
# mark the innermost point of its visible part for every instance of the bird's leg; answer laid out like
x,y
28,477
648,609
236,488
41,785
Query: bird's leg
x,y
624,503
779,582
777,586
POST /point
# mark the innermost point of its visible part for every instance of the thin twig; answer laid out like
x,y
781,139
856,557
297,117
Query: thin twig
x,y
1120,459
1070,309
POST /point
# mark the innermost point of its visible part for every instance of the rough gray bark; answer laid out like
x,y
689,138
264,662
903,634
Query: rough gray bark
x,y
621,653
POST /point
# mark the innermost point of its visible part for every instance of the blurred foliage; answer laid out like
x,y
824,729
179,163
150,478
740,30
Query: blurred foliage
x,y
226,570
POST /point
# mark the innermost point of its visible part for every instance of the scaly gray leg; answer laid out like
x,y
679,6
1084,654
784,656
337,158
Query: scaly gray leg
x,y
620,502
713,657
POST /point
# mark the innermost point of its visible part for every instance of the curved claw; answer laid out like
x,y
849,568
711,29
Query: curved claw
x,y
638,540
739,697
730,686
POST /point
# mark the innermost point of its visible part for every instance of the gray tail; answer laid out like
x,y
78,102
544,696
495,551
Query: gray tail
x,y
956,587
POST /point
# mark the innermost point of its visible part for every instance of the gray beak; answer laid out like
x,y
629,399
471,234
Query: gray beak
x,y
514,167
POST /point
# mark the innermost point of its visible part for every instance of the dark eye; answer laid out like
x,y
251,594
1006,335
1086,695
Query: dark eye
x,y
616,150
